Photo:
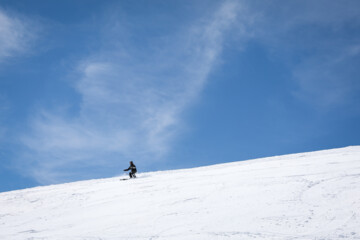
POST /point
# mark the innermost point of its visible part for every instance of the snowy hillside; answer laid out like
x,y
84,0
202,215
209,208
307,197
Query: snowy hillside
x,y
300,196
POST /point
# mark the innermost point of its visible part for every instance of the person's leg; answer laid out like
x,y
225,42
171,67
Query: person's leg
x,y
130,174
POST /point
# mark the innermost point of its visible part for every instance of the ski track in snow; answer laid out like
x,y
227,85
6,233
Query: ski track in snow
x,y
303,196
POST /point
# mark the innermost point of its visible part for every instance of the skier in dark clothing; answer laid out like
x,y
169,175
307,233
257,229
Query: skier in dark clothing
x,y
132,169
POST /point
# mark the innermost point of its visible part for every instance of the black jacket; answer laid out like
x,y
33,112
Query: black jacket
x,y
132,168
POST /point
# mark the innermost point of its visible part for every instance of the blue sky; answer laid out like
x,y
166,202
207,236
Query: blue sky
x,y
87,86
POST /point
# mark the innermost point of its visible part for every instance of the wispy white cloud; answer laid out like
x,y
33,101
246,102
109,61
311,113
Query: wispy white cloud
x,y
330,80
319,41
16,34
131,101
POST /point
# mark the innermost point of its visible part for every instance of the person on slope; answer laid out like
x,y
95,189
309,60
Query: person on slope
x,y
132,169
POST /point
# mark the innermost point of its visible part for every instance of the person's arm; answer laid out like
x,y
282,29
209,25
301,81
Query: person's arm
x,y
127,169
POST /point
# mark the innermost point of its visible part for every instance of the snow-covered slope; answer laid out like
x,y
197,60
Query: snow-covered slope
x,y
300,196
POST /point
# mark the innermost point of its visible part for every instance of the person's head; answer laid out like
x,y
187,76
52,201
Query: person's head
x,y
131,162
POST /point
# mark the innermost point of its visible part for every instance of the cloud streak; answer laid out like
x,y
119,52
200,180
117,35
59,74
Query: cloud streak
x,y
16,34
131,102
319,40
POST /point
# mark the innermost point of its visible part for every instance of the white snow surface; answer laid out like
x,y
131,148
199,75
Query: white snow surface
x,y
312,195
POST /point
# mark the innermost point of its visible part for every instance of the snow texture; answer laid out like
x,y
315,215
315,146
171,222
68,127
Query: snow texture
x,y
312,195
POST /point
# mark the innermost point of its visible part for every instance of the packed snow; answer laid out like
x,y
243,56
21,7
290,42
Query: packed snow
x,y
312,195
